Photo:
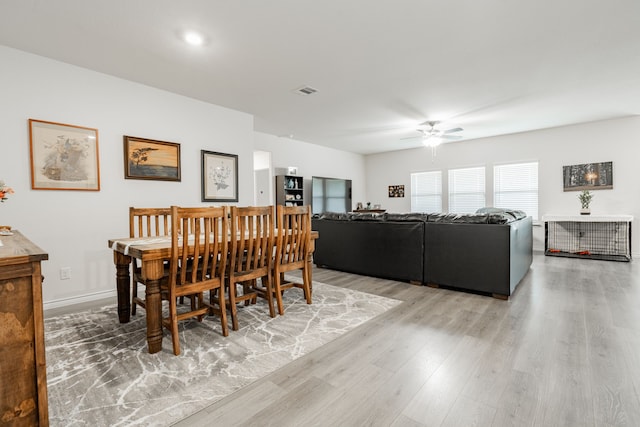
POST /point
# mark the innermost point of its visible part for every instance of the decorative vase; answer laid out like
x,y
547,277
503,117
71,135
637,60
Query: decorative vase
x,y
585,211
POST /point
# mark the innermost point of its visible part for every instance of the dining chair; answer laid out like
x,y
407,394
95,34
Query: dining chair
x,y
293,251
251,255
145,222
197,265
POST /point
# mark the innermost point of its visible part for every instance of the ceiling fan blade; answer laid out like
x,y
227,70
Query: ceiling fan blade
x,y
453,130
429,123
412,137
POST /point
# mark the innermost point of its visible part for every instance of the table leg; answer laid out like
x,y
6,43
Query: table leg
x,y
123,283
152,272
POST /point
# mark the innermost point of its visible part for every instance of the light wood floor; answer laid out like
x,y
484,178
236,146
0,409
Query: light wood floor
x,y
564,351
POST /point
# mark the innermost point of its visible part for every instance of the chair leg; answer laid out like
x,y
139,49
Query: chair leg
x,y
277,290
247,288
268,285
223,309
199,298
232,304
173,326
306,283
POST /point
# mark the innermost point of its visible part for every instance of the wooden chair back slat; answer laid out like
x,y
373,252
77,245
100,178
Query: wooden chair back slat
x,y
251,256
149,222
294,234
145,222
293,246
199,248
252,248
200,255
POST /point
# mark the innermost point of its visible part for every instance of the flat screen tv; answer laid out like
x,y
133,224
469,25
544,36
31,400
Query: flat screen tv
x,y
330,195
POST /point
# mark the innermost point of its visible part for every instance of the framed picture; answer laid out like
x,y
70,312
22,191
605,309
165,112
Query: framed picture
x,y
150,159
219,177
63,157
396,191
588,176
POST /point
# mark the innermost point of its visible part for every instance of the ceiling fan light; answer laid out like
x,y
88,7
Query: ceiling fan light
x,y
431,142
193,38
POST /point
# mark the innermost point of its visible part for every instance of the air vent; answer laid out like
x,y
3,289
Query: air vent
x,y
305,90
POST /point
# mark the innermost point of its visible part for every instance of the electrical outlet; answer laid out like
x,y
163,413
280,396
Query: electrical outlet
x,y
65,273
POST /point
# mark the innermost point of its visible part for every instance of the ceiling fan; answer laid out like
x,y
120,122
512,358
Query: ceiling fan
x,y
432,137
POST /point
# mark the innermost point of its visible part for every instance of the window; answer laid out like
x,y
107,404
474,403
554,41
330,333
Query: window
x,y
466,190
426,192
515,186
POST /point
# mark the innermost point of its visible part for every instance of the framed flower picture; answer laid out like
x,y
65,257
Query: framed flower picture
x,y
396,191
63,157
219,177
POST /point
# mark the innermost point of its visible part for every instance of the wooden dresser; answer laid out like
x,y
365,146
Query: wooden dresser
x,y
23,379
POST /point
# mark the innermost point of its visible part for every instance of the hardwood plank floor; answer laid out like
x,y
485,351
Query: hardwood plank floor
x,y
563,351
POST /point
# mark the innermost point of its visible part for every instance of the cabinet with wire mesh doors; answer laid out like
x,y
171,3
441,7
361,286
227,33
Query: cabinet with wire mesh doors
x,y
604,237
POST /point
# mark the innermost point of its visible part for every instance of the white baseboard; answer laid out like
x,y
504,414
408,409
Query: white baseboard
x,y
64,302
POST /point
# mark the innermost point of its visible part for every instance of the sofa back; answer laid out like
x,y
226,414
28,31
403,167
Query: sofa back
x,y
487,252
389,249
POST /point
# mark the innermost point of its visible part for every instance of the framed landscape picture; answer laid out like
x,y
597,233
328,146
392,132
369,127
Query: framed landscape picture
x,y
150,159
63,157
588,176
219,177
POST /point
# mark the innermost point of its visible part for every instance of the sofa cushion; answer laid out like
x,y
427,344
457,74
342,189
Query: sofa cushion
x,y
490,210
509,214
459,218
413,216
334,216
366,216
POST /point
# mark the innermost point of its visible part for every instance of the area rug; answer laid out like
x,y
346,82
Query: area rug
x,y
99,372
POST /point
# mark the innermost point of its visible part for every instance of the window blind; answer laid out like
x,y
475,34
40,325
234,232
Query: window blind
x,y
466,190
515,186
426,191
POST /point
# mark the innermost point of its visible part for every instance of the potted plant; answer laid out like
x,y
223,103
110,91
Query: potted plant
x,y
585,199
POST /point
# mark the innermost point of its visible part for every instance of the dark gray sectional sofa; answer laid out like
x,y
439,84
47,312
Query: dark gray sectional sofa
x,y
487,252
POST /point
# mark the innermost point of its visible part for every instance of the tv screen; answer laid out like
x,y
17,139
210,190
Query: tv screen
x,y
330,195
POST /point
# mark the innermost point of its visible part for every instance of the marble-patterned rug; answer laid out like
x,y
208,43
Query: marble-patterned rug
x,y
100,374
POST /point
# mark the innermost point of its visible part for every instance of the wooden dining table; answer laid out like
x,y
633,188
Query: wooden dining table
x,y
152,252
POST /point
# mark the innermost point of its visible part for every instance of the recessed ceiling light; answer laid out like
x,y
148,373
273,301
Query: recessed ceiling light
x,y
193,38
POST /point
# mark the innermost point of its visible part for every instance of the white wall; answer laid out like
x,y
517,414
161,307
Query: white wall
x,y
74,226
610,140
314,160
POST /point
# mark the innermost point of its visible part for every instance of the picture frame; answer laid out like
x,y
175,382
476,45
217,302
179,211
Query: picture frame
x,y
150,159
396,191
63,156
219,177
588,176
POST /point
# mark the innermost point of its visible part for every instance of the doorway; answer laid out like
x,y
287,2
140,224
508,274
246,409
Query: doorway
x,y
262,178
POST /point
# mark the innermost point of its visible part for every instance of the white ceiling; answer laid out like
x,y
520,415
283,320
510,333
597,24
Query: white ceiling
x,y
381,67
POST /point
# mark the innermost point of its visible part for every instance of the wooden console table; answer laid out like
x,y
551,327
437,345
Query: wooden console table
x,y
23,376
606,237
